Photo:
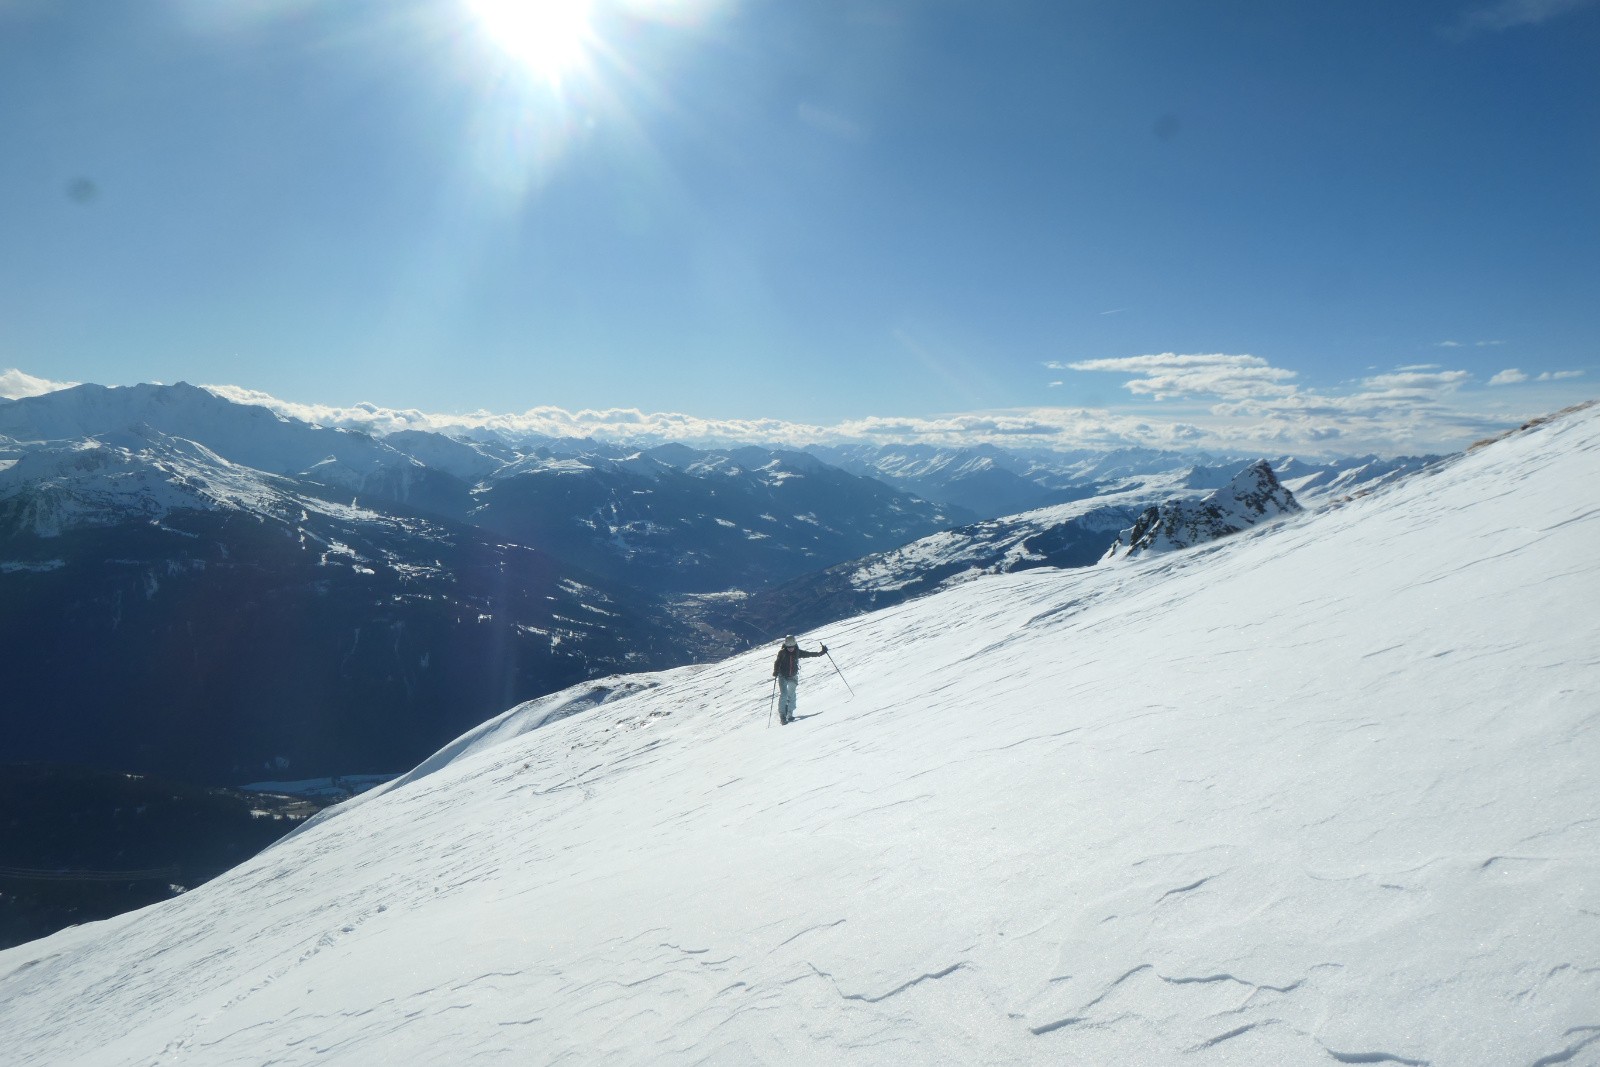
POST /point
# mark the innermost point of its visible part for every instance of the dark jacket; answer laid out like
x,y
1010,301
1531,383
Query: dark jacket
x,y
787,665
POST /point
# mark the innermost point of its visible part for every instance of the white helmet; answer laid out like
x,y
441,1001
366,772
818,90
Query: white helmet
x,y
789,642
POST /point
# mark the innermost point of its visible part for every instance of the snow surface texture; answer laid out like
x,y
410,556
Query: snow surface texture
x,y
1306,795
1252,497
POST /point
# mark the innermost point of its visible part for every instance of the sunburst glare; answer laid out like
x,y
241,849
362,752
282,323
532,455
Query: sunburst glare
x,y
549,37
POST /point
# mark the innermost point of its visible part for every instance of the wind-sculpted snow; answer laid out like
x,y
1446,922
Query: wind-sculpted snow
x,y
524,718
1304,795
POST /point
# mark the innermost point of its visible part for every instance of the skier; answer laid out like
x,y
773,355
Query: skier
x,y
786,669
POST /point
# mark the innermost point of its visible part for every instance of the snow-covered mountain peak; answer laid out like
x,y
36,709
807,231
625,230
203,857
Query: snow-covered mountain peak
x,y
138,472
1250,497
88,410
135,471
1256,485
242,433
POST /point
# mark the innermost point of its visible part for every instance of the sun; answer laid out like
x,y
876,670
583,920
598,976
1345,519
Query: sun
x,y
549,37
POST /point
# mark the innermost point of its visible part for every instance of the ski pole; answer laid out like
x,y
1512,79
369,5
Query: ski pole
x,y
772,701
840,673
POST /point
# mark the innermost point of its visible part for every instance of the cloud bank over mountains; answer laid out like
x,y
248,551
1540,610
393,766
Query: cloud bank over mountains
x,y
1214,401
1243,400
15,384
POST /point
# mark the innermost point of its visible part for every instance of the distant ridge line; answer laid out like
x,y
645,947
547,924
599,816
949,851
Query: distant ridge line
x,y
151,875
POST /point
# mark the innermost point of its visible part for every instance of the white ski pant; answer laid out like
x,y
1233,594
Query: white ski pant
x,y
788,696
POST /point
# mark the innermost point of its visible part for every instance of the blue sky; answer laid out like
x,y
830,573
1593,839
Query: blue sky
x,y
1318,226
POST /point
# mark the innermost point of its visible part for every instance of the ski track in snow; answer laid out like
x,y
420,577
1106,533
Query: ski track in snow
x,y
1321,793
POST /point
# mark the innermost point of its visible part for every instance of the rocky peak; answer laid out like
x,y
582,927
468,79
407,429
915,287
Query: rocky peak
x,y
1253,496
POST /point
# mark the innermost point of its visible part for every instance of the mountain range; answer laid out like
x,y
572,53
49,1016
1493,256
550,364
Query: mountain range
x,y
1319,792
220,593
1078,534
993,482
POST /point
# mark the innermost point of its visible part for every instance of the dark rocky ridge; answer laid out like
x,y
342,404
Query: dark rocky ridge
x,y
1252,496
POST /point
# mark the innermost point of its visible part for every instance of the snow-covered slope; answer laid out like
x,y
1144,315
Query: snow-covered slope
x,y
673,518
1301,796
247,437
1253,496
139,473
1312,484
1075,534
471,461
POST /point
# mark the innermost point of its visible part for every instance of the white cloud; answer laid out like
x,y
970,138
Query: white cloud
x,y
1170,375
1417,379
1237,404
1509,376
605,423
1488,344
1252,404
1507,14
1560,375
1447,344
14,385
358,416
1042,427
